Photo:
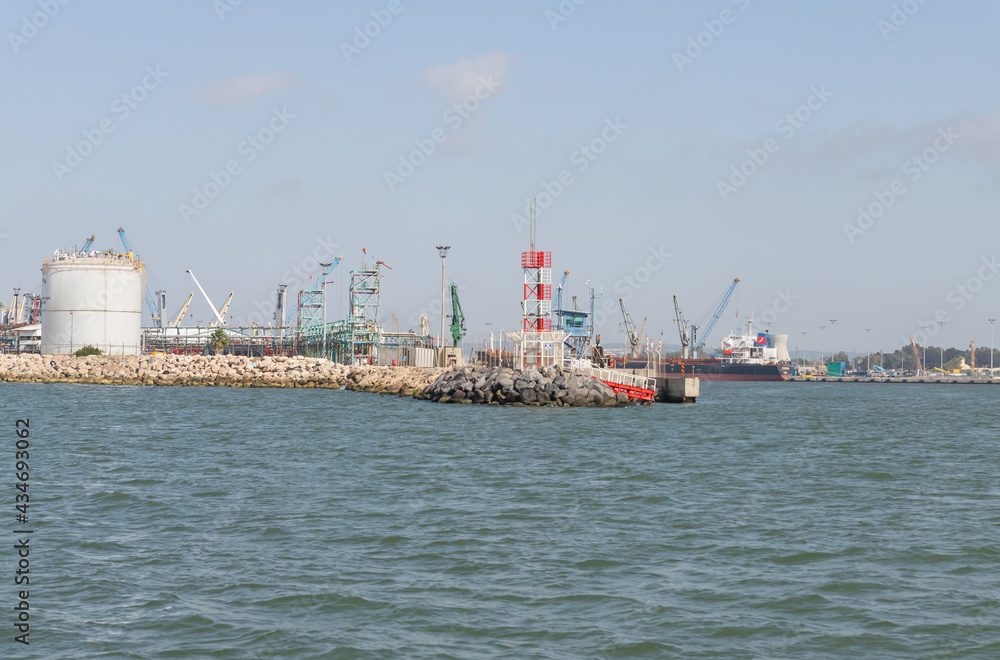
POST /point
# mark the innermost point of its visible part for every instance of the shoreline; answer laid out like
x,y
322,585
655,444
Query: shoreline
x,y
214,371
552,386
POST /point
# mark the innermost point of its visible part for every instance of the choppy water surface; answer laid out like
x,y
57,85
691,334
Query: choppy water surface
x,y
767,521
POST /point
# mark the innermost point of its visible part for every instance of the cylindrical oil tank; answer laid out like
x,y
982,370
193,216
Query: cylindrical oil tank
x,y
94,300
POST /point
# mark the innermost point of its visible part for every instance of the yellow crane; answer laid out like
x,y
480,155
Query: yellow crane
x,y
180,317
222,312
916,354
396,322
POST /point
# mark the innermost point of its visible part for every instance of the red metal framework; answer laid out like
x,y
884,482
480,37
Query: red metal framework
x,y
537,325
538,291
536,260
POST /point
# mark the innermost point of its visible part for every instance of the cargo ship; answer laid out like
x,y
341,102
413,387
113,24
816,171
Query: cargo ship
x,y
745,356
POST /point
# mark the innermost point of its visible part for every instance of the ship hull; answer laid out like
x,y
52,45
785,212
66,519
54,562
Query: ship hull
x,y
718,370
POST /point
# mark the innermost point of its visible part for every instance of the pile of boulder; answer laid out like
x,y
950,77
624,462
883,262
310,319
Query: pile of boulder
x,y
550,386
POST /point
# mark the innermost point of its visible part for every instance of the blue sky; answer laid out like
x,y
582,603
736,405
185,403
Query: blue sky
x,y
319,187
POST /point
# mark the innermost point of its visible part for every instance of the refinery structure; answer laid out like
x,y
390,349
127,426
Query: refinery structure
x,y
94,299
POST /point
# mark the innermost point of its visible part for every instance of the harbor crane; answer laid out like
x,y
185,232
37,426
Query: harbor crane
x,y
222,312
634,338
682,328
154,312
180,317
557,312
88,244
457,318
916,354
723,303
209,300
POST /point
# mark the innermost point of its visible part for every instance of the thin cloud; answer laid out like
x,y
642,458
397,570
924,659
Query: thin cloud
x,y
244,90
455,82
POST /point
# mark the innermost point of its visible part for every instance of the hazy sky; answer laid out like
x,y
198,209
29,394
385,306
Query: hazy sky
x,y
630,121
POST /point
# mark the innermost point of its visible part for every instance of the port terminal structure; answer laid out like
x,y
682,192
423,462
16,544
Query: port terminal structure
x,y
359,339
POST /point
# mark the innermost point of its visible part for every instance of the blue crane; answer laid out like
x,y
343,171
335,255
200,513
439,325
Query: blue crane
x,y
557,312
89,244
150,301
718,314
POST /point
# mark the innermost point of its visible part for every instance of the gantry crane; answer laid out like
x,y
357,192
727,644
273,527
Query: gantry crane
x,y
150,301
457,318
683,330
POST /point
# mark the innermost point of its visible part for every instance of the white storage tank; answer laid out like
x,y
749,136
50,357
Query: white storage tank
x,y
92,299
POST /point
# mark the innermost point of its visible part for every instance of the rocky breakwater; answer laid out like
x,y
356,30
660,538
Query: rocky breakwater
x,y
551,386
222,370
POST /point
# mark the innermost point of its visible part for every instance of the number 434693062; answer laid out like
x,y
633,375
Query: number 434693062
x,y
21,466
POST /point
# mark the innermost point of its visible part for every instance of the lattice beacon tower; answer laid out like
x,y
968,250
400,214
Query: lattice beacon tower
x,y
540,346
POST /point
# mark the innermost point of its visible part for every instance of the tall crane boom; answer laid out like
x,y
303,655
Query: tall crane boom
x,y
184,309
207,299
457,318
633,336
916,354
682,329
718,314
89,244
154,313
222,312
557,310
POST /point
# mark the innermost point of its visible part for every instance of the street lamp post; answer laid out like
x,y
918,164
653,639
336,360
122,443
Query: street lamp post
x,y
941,323
443,251
992,321
833,351
868,332
924,328
822,343
326,271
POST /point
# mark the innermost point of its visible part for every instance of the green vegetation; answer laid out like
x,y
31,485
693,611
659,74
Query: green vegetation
x,y
219,341
87,350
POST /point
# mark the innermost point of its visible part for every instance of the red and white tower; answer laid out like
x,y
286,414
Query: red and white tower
x,y
539,345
